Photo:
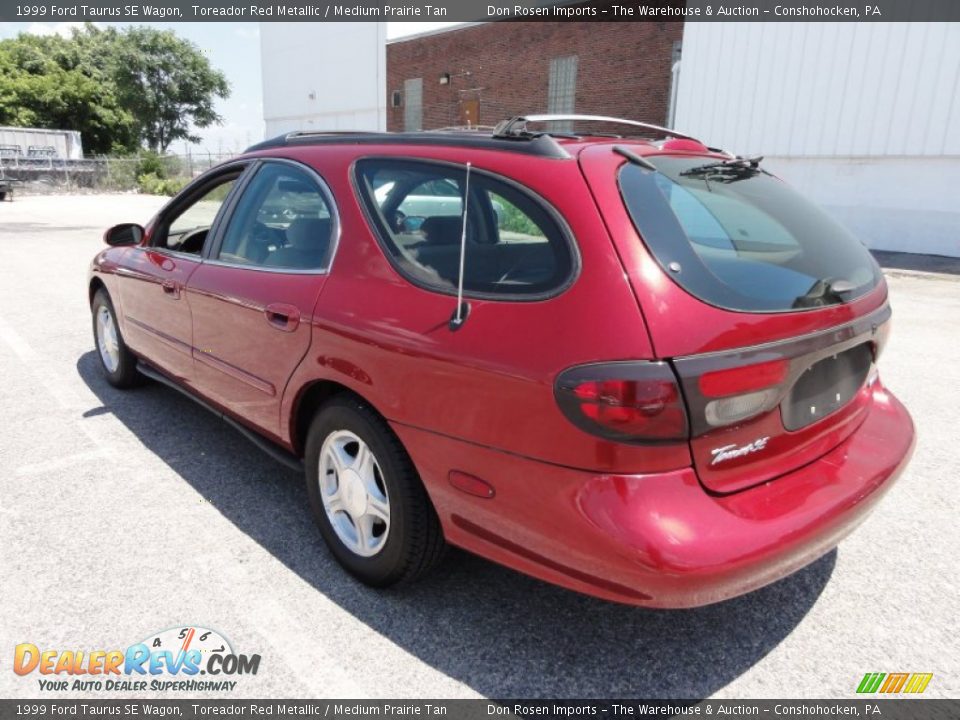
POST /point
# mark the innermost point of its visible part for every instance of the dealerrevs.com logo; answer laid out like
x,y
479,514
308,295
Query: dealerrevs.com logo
x,y
171,660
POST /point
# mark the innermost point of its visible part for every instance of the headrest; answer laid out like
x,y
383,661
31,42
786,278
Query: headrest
x,y
308,233
442,229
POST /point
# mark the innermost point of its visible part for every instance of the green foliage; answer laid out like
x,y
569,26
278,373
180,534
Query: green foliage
x,y
44,84
163,166
513,219
151,164
167,83
152,184
120,88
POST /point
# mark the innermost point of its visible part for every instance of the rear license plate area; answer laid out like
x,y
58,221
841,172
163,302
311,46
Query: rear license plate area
x,y
826,386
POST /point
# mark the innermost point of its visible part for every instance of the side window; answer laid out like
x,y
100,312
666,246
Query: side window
x,y
282,221
514,245
186,230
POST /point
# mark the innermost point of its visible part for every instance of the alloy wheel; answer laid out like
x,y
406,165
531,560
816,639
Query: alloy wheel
x,y
353,493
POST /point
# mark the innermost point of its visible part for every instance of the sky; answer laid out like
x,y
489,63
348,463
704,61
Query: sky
x,y
234,49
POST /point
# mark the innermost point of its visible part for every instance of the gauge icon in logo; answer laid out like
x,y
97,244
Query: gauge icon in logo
x,y
186,638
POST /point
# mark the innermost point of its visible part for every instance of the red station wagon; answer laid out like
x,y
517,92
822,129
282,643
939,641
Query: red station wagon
x,y
634,366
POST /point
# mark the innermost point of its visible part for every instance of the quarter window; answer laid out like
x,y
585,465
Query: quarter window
x,y
514,244
282,221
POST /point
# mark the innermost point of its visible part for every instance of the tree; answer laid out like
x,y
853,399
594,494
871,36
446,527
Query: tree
x,y
43,84
120,88
167,85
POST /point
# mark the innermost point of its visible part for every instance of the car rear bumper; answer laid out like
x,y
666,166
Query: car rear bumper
x,y
662,540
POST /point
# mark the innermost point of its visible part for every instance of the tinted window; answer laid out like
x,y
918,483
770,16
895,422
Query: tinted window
x,y
282,220
514,245
742,238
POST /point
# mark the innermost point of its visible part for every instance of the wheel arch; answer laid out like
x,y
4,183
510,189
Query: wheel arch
x,y
96,284
309,399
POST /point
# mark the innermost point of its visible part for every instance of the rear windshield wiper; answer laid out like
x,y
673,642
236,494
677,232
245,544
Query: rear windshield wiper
x,y
727,170
825,292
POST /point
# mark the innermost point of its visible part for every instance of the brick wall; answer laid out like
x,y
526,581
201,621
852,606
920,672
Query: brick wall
x,y
623,69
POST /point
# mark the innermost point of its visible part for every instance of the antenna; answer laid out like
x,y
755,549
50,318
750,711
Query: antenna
x,y
460,314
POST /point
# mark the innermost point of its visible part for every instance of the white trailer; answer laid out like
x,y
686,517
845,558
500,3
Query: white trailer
x,y
40,143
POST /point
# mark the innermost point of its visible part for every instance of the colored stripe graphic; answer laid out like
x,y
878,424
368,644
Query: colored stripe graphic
x,y
870,682
913,683
918,682
894,682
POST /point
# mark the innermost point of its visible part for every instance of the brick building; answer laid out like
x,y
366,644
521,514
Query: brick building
x,y
479,74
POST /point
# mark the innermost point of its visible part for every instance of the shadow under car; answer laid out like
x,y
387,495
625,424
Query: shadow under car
x,y
503,634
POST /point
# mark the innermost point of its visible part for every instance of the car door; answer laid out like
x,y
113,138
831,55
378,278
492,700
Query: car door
x,y
254,295
158,321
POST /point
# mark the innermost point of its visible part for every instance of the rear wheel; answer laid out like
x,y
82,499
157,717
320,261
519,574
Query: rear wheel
x,y
367,498
118,363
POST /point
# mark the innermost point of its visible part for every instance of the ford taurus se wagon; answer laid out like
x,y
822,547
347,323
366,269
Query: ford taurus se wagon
x,y
630,365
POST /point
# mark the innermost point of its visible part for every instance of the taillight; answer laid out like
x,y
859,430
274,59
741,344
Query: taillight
x,y
738,380
742,392
627,401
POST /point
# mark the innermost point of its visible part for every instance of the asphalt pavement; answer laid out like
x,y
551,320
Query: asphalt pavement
x,y
126,513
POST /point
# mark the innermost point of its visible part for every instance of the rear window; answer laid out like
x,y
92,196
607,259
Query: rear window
x,y
737,237
516,246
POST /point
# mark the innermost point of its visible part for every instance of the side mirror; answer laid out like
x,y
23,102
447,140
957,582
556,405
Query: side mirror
x,y
124,234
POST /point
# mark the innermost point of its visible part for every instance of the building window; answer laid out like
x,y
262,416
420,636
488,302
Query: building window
x,y
413,104
562,90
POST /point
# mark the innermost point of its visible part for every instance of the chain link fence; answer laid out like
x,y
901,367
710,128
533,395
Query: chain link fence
x,y
162,174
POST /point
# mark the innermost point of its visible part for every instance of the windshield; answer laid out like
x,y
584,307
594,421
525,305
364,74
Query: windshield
x,y
737,237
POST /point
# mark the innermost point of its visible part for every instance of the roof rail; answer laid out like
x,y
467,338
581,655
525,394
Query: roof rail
x,y
541,145
466,128
310,133
517,126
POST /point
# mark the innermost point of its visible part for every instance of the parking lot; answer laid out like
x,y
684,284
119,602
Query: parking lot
x,y
124,514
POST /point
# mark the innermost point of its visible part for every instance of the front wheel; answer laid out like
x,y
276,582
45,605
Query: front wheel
x,y
367,498
118,363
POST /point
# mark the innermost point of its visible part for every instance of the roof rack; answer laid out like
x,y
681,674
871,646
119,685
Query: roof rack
x,y
540,145
516,127
326,133
473,129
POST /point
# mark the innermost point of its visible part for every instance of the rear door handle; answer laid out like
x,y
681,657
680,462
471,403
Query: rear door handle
x,y
171,288
282,316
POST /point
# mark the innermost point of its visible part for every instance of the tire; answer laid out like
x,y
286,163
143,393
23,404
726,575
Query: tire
x,y
119,365
384,553
3,195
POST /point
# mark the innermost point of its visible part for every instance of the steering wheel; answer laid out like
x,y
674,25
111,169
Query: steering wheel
x,y
192,240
